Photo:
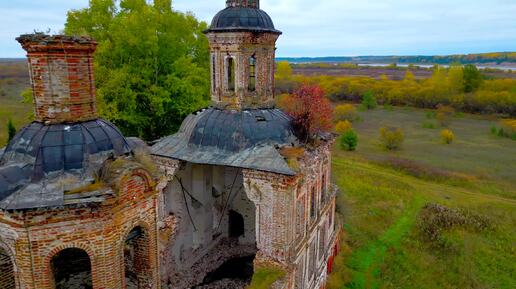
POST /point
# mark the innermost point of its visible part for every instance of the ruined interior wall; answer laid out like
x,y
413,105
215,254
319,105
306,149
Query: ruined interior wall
x,y
202,210
99,230
287,232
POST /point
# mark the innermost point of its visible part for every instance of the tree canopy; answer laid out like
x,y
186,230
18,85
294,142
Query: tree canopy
x,y
310,110
151,64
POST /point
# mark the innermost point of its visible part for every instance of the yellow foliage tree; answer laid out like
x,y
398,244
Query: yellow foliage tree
x,y
343,126
345,112
447,136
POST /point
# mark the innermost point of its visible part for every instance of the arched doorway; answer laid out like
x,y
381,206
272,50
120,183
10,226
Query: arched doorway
x,y
7,280
236,224
71,268
137,263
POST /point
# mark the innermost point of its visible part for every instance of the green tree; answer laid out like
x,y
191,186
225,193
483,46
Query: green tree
x,y
151,64
369,100
349,140
472,78
11,130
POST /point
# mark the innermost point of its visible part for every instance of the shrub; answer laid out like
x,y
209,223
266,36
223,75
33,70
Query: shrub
x,y
391,138
349,140
369,100
435,219
343,126
508,128
11,130
310,110
428,125
447,136
345,112
444,115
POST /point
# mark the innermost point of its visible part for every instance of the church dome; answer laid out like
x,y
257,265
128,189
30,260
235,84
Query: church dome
x,y
245,139
63,147
237,19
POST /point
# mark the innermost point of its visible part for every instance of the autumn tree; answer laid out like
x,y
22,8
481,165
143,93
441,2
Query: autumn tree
x,y
283,76
151,64
310,110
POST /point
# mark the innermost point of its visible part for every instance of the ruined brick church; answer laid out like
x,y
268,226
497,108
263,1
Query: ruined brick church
x,y
82,206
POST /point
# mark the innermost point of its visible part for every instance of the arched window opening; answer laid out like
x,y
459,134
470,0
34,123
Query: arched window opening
x,y
252,73
236,224
213,74
230,74
323,188
71,268
6,271
137,268
312,203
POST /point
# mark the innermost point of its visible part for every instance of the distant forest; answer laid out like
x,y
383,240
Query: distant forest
x,y
497,57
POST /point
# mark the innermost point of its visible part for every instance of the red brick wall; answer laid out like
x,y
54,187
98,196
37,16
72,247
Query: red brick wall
x,y
62,77
101,231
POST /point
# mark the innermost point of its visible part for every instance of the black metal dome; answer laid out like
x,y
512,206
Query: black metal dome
x,y
62,147
236,131
242,19
245,139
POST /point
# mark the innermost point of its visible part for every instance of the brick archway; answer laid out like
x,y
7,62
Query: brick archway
x,y
71,268
7,269
138,268
79,246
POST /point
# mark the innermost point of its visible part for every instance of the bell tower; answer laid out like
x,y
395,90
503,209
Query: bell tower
x,y
243,47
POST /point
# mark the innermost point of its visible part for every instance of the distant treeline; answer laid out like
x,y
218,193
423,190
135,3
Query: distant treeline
x,y
462,87
496,57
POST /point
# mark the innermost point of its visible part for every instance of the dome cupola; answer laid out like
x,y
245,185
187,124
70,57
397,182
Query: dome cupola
x,y
243,47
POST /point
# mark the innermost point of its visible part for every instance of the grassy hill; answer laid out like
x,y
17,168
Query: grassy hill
x,y
430,215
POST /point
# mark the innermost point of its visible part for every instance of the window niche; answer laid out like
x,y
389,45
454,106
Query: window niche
x,y
230,73
252,73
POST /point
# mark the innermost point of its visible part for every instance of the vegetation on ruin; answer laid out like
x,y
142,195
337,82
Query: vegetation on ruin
x,y
311,112
415,219
151,64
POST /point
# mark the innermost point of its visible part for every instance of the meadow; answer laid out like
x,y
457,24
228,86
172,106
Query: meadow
x,y
429,215
14,78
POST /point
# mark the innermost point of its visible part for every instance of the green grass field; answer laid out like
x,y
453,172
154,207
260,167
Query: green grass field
x,y
13,80
384,244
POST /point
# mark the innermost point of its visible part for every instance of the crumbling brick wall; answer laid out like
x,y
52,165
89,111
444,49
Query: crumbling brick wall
x,y
99,230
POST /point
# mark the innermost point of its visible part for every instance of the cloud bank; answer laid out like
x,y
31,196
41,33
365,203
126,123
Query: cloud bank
x,y
326,27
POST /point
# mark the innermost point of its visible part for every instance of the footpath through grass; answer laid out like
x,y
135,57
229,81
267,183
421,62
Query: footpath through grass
x,y
367,261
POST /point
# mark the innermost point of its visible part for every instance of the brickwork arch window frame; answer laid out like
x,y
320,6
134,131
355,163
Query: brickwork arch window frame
x,y
252,80
147,239
230,73
54,252
10,254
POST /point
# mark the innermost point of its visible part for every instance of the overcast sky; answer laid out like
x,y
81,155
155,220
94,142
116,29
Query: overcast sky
x,y
325,27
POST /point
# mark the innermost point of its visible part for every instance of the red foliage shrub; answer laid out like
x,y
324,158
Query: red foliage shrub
x,y
310,110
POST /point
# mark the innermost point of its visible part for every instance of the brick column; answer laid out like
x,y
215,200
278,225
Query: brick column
x,y
62,79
